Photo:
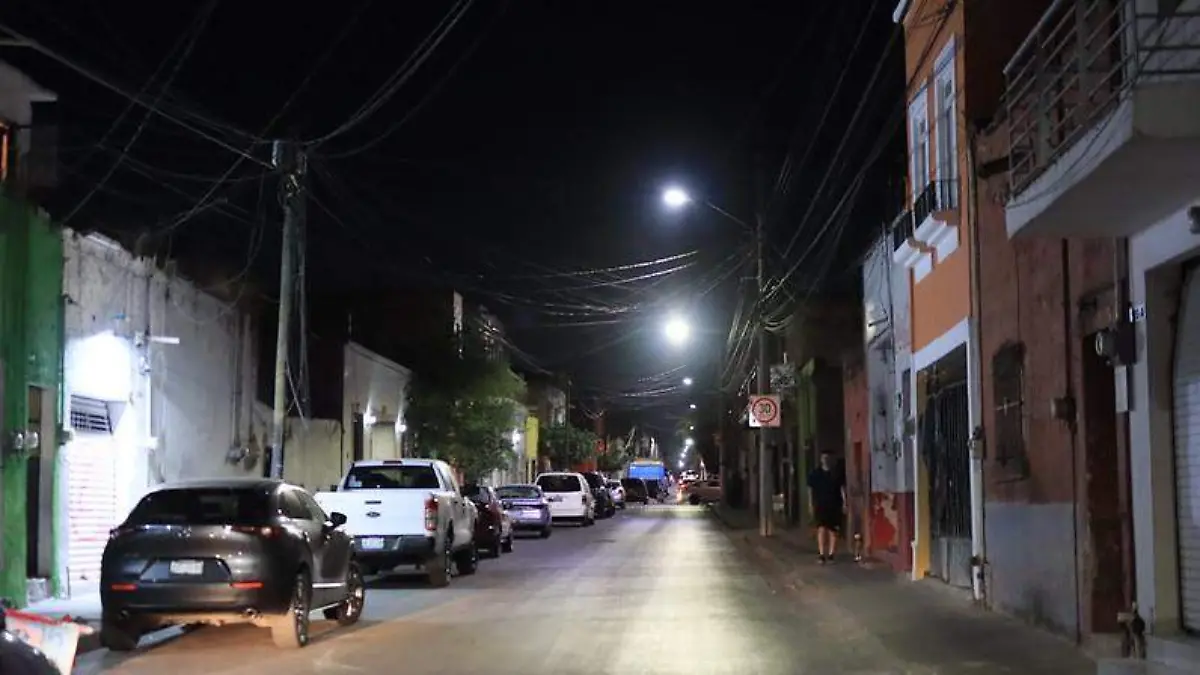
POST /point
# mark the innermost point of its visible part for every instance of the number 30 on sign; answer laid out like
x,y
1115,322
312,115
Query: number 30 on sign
x,y
764,411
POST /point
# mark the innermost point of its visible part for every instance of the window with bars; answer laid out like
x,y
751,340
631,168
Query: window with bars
x,y
1008,389
89,414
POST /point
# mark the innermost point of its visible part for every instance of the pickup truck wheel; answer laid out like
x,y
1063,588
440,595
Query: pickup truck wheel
x,y
350,610
290,631
118,635
546,532
495,547
507,545
439,569
467,561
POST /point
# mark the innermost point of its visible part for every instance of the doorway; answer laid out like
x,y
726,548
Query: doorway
x,y
39,485
1107,491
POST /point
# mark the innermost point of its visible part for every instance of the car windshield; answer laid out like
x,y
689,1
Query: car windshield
x,y
613,484
476,492
559,483
593,480
202,506
633,484
518,492
392,477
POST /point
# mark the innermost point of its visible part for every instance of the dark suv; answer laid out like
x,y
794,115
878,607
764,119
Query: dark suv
x,y
227,551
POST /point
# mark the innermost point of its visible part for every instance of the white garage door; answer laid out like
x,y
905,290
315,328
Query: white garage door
x,y
1187,448
91,493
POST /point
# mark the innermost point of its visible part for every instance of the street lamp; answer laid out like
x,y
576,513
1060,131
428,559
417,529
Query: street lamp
x,y
677,331
677,198
687,381
689,443
692,406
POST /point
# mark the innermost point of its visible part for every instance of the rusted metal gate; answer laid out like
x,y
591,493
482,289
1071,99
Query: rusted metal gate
x,y
945,435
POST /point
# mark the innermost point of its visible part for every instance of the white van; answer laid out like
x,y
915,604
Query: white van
x,y
569,496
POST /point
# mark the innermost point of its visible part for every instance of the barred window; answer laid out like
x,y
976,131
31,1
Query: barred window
x,y
1008,387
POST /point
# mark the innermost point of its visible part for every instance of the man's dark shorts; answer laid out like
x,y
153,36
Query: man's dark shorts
x,y
828,518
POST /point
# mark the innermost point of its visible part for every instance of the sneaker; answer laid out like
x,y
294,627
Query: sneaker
x,y
821,560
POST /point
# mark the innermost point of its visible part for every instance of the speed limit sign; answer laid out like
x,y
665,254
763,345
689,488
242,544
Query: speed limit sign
x,y
764,411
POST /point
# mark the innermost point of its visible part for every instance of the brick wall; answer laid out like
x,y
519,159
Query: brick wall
x,y
856,412
1051,295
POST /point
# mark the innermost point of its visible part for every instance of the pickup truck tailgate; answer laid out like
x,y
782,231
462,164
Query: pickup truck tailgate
x,y
378,512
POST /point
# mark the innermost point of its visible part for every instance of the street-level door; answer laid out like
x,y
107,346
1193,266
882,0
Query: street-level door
x,y
91,493
1187,448
945,433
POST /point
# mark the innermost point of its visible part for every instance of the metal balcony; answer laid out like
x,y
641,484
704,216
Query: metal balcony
x,y
1100,103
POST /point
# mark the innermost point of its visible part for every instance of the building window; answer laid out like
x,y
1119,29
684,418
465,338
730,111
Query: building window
x,y
946,117
1008,387
918,130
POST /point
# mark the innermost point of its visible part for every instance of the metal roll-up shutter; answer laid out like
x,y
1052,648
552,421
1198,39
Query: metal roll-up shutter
x,y
91,492
1187,448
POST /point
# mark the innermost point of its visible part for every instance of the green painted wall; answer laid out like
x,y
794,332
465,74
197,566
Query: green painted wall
x,y
31,348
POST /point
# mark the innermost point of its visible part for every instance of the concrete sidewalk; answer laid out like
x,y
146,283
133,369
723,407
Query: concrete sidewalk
x,y
926,625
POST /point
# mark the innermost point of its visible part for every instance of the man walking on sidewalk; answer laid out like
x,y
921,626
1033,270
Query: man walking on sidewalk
x,y
827,503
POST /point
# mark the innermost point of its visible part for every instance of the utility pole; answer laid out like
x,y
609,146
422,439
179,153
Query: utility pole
x,y
290,160
765,491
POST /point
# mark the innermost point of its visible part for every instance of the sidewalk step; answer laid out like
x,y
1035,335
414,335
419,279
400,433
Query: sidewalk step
x,y
1138,667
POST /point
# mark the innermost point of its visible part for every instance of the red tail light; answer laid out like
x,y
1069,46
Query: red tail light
x,y
247,585
431,515
123,587
260,531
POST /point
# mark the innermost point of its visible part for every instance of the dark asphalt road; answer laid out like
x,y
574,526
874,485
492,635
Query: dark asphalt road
x,y
656,590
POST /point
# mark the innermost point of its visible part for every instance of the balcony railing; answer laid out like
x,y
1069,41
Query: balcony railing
x,y
902,229
1079,62
939,195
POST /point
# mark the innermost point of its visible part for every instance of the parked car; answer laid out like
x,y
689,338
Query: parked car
x,y
228,551
605,508
636,491
569,496
493,527
701,491
407,512
617,492
654,491
527,507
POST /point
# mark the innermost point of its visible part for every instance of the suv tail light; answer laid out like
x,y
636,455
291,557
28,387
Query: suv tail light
x,y
431,515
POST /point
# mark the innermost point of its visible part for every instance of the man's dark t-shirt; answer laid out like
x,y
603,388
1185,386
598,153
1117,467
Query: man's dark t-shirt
x,y
826,486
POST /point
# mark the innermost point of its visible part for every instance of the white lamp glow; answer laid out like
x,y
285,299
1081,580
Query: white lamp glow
x,y
676,197
677,331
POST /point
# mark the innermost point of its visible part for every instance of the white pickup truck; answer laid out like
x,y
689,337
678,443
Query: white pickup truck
x,y
406,512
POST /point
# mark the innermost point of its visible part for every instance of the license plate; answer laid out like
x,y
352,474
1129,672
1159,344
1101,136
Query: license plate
x,y
371,543
187,567
531,513
556,499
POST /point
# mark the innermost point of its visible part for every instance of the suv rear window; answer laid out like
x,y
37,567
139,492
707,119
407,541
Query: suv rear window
x,y
595,482
559,484
392,477
203,506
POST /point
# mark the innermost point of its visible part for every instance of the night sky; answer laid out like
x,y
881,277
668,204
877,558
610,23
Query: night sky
x,y
530,143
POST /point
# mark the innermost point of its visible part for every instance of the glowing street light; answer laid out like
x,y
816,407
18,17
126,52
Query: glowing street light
x,y
692,406
687,381
689,443
676,198
677,331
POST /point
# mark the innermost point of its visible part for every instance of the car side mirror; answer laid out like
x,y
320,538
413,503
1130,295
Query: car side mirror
x,y
336,520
